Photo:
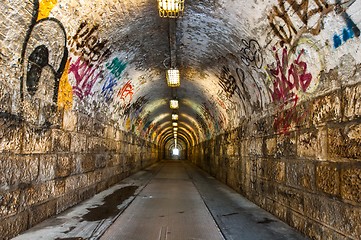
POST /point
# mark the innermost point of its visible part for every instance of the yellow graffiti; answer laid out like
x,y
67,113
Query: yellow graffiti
x,y
65,95
128,124
45,7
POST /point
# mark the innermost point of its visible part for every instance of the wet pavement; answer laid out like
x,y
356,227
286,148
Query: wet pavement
x,y
171,200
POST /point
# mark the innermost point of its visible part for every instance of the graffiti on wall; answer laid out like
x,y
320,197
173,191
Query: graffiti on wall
x,y
85,75
39,57
307,17
351,30
45,7
251,53
288,79
65,96
87,44
115,68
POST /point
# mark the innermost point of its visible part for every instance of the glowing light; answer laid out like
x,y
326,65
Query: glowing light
x,y
171,8
174,117
174,104
173,79
175,124
175,151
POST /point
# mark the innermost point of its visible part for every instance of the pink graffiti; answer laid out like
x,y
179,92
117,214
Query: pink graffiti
x,y
126,91
85,77
288,80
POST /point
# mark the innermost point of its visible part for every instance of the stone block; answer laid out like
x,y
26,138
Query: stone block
x,y
101,160
300,175
29,168
12,226
311,144
275,170
336,214
270,146
78,142
11,133
66,201
286,145
35,194
256,146
60,141
84,124
345,141
352,102
351,184
292,198
87,162
59,187
70,121
327,178
326,109
65,166
41,212
36,141
9,203
47,165
75,182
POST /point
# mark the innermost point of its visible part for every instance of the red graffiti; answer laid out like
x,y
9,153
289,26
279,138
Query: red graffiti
x,y
85,77
288,80
126,91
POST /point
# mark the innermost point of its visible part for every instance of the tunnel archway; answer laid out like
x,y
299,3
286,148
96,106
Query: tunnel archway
x,y
269,103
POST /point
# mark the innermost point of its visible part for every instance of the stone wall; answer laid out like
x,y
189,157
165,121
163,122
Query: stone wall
x,y
45,170
309,176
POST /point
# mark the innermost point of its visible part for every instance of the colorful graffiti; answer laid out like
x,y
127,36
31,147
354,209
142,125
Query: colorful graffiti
x,y
38,53
45,7
65,96
351,29
126,92
85,76
288,79
284,25
116,67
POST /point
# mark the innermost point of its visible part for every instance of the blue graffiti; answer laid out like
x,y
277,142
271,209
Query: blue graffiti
x,y
108,88
351,29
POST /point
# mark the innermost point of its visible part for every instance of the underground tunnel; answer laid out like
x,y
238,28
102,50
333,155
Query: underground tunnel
x,y
268,102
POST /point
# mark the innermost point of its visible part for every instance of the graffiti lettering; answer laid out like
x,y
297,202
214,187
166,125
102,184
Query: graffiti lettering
x,y
351,29
135,107
116,67
282,25
288,80
108,88
85,43
228,83
126,92
85,77
252,53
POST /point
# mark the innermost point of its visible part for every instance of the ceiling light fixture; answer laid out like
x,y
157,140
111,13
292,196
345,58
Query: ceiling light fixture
x,y
175,124
171,8
173,78
174,117
174,104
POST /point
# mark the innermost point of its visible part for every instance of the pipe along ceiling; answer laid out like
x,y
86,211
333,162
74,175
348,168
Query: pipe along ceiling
x,y
112,58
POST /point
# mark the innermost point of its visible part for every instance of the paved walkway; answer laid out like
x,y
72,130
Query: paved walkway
x,y
169,201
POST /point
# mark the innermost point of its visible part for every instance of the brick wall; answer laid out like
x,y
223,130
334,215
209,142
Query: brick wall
x,y
310,176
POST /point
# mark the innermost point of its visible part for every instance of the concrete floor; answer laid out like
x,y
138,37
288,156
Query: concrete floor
x,y
171,200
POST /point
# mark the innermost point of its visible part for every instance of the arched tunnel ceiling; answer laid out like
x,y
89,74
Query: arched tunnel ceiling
x,y
228,52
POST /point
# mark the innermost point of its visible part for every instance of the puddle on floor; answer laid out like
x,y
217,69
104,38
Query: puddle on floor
x,y
109,207
266,220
